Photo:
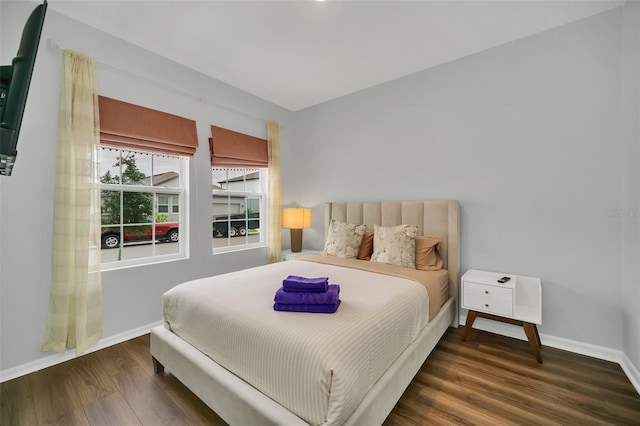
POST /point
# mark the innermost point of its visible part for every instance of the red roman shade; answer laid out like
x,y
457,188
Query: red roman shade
x,y
126,125
233,149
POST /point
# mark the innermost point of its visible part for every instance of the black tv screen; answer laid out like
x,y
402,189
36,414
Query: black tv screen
x,y
14,88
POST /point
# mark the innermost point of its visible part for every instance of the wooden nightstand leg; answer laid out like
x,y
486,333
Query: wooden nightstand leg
x,y
534,339
535,328
471,317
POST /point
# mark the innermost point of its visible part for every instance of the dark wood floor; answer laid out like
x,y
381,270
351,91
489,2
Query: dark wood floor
x,y
489,379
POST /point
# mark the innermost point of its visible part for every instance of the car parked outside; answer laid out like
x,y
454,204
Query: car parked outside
x,y
111,234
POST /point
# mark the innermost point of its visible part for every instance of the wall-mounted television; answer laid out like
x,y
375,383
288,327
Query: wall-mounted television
x,y
15,80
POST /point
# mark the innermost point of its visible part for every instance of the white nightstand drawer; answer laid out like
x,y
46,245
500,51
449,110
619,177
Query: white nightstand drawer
x,y
488,304
489,291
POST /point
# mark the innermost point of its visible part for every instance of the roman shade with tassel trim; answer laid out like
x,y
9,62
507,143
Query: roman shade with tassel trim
x,y
233,149
125,125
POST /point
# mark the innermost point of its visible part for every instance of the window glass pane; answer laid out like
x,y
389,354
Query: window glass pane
x,y
111,237
136,241
136,168
134,234
166,171
109,165
254,214
168,239
252,180
110,207
137,207
219,178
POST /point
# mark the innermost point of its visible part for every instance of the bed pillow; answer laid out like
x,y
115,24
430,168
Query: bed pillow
x,y
427,254
395,245
366,247
344,239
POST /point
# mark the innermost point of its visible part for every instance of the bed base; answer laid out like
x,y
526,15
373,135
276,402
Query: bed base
x,y
237,402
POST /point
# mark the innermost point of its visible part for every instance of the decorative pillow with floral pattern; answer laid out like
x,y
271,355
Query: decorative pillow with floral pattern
x,y
395,245
343,239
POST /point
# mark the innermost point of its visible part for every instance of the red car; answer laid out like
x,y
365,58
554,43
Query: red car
x,y
165,231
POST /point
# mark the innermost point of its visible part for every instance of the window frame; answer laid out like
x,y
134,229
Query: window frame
x,y
262,195
181,191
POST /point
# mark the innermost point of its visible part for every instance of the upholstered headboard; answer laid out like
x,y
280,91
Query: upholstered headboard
x,y
433,217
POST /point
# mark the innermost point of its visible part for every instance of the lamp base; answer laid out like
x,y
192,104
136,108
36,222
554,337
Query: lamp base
x,y
296,240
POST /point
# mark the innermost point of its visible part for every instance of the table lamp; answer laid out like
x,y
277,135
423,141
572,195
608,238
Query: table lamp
x,y
296,219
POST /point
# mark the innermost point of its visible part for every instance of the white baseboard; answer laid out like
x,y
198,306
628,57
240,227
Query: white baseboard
x,y
594,351
50,360
631,371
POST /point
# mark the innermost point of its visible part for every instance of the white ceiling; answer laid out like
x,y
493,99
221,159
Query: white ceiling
x,y
300,53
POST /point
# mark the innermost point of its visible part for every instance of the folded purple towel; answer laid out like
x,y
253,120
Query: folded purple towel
x,y
319,309
302,284
328,297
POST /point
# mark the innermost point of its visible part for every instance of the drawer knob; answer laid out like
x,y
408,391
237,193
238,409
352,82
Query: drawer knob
x,y
486,292
486,305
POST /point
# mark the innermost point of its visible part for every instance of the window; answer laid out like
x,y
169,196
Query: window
x,y
168,203
141,195
238,206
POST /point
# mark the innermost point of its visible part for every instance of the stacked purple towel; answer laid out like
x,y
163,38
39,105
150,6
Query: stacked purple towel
x,y
316,309
294,283
300,294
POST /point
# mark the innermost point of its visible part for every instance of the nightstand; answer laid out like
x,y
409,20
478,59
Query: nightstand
x,y
517,301
289,255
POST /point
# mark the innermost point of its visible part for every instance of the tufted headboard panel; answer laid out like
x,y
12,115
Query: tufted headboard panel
x,y
433,217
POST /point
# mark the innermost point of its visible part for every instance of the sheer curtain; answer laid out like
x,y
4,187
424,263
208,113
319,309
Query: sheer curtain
x,y
275,210
75,304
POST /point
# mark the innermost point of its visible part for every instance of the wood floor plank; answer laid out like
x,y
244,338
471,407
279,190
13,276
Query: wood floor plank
x,y
54,393
487,380
111,410
75,417
502,402
548,372
138,350
547,390
16,403
198,413
456,403
116,359
527,401
556,373
148,400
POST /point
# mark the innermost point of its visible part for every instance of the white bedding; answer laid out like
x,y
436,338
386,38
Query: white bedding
x,y
319,366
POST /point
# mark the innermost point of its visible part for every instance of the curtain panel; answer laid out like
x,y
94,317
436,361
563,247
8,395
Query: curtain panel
x,y
130,126
234,149
75,303
274,249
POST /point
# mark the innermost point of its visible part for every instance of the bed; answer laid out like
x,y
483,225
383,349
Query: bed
x,y
295,368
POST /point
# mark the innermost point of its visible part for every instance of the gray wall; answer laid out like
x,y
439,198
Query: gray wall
x,y
630,223
131,297
527,136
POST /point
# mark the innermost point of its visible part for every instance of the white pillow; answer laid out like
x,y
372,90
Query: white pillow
x,y
344,239
395,245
